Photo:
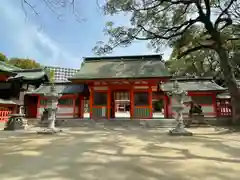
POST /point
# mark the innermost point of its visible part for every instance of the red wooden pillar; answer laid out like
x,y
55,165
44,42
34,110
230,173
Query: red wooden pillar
x,y
74,98
214,103
169,107
166,106
38,105
108,103
131,102
150,96
90,101
81,107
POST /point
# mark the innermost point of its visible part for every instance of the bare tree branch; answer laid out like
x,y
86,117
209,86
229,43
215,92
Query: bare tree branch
x,y
177,29
53,6
30,6
228,20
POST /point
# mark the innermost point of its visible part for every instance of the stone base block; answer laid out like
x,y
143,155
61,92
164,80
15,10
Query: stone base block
x,y
49,131
180,132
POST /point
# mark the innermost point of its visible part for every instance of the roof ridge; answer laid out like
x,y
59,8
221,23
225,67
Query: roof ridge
x,y
157,57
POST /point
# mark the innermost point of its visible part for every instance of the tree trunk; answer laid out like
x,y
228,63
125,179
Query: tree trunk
x,y
230,82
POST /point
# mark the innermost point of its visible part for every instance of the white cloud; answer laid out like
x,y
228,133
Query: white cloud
x,y
26,40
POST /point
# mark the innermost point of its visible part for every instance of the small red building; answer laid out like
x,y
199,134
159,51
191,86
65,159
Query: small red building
x,y
201,90
71,103
13,83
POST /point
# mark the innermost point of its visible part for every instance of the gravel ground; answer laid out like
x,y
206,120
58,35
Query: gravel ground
x,y
120,154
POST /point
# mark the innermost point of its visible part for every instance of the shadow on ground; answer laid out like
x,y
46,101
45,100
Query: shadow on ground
x,y
89,154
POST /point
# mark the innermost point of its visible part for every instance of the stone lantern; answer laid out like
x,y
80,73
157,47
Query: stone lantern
x,y
178,94
52,104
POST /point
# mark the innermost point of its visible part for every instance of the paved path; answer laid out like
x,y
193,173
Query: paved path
x,y
120,154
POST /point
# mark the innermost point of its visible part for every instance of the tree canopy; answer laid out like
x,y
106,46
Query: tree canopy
x,y
163,22
204,62
3,58
24,63
51,75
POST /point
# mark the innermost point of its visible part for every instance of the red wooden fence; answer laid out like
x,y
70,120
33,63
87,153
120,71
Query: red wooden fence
x,y
4,112
224,108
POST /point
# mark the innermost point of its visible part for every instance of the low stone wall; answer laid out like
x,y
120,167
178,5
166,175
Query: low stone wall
x,y
149,123
103,122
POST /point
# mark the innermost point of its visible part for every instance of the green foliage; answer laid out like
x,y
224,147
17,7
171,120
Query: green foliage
x,y
3,58
51,74
195,109
158,105
204,62
24,63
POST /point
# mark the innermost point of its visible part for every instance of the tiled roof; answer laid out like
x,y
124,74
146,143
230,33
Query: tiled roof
x,y
61,88
4,101
122,67
227,95
30,74
7,67
23,74
193,84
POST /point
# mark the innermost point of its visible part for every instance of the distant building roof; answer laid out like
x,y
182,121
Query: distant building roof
x,y
193,84
30,75
61,88
62,74
122,67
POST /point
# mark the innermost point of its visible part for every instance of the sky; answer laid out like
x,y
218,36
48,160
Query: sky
x,y
58,41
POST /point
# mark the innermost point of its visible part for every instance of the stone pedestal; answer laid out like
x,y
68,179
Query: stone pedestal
x,y
180,132
15,122
49,131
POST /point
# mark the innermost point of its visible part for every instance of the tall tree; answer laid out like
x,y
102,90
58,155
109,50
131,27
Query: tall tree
x,y
24,63
3,58
204,62
163,22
